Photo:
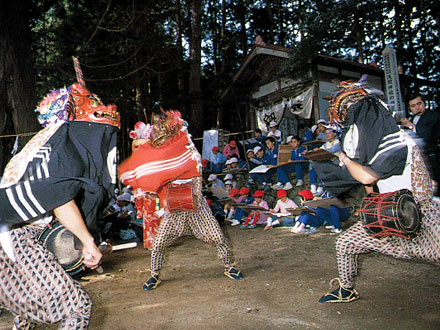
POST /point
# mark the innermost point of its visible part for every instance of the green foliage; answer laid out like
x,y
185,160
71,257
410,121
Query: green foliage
x,y
129,47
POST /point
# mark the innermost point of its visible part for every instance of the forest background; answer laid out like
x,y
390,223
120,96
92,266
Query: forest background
x,y
181,54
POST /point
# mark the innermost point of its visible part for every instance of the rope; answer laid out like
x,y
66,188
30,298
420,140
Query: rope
x,y
19,134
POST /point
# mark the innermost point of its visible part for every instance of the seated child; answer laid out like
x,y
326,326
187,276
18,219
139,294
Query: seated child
x,y
282,205
228,186
228,209
283,171
333,216
230,177
244,199
215,182
256,217
270,159
332,145
217,160
255,161
237,164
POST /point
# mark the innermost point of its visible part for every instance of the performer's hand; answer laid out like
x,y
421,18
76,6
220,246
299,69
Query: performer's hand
x,y
406,122
92,255
342,156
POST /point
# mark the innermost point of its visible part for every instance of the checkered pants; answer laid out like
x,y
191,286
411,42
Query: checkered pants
x,y
36,288
425,246
201,224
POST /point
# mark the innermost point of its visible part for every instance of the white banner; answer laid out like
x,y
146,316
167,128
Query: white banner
x,y
300,105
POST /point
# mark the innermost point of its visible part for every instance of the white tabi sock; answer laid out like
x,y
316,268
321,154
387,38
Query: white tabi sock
x,y
276,222
269,222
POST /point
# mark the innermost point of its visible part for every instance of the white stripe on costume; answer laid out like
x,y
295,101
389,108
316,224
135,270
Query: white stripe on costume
x,y
31,196
15,205
24,201
157,166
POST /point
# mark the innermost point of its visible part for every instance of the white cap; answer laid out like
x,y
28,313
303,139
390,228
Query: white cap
x,y
256,149
228,162
249,150
321,121
228,182
229,176
212,177
289,138
313,129
234,160
273,124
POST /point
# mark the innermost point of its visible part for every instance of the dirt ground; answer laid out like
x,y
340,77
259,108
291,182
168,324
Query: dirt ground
x,y
285,275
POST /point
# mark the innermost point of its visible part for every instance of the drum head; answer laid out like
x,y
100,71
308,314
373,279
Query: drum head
x,y
60,241
409,214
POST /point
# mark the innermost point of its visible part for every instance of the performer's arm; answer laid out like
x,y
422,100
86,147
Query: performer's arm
x,y
359,172
70,217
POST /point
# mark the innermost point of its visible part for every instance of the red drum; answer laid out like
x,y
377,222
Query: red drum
x,y
180,197
395,213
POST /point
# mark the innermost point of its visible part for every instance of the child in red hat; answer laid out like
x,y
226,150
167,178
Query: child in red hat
x,y
244,199
256,216
216,160
281,207
332,216
228,209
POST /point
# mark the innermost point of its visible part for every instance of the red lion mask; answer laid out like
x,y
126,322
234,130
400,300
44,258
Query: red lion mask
x,y
88,107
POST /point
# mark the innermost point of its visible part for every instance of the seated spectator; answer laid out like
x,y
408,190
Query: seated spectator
x,y
320,129
305,133
282,205
244,199
228,186
250,154
217,160
230,177
270,159
275,132
256,217
237,164
206,167
213,181
298,168
260,137
332,145
228,209
255,161
122,219
333,216
231,150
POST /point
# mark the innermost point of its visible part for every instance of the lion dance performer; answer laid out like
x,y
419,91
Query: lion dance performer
x,y
169,165
377,152
66,170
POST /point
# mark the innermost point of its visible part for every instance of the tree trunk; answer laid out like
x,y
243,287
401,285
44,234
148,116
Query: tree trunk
x,y
180,62
17,82
196,118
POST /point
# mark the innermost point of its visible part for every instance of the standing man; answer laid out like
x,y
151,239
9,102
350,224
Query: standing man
x,y
389,159
169,159
426,124
67,171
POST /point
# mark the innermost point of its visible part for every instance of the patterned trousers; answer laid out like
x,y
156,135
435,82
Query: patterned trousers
x,y
36,288
201,224
356,241
425,246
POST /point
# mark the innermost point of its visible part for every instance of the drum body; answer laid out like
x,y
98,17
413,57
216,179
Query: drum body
x,y
395,213
180,197
60,241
